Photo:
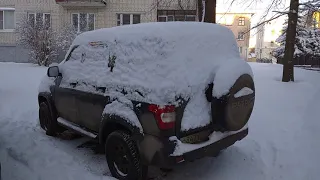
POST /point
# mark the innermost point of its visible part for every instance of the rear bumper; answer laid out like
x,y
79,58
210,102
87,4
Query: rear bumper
x,y
216,147
162,158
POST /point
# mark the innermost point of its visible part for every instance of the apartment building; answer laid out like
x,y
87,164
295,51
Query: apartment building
x,y
313,19
240,24
177,10
266,35
86,15
83,15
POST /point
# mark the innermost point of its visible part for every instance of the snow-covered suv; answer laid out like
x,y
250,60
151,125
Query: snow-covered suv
x,y
153,94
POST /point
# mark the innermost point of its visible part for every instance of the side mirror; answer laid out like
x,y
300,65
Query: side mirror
x,y
53,71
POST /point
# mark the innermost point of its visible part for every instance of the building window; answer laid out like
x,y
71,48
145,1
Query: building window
x,y
240,36
40,19
165,18
225,19
190,18
82,22
241,21
6,19
176,15
240,50
162,19
124,19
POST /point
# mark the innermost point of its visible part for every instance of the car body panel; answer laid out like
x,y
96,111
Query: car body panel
x,y
65,100
90,108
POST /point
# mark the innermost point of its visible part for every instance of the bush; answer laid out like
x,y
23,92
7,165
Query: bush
x,y
44,43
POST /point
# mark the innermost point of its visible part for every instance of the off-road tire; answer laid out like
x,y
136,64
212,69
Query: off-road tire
x,y
136,171
48,120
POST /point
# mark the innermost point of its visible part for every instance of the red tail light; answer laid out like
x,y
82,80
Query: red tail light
x,y
165,115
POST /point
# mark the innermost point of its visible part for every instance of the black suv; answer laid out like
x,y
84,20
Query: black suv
x,y
95,91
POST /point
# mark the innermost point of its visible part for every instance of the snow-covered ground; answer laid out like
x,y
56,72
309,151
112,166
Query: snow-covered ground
x,y
283,140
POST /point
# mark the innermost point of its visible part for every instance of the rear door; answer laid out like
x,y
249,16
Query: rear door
x,y
90,108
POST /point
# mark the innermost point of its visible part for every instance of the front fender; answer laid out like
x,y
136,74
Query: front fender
x,y
45,97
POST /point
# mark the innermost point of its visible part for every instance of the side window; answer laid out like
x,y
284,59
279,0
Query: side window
x,y
72,69
83,66
76,54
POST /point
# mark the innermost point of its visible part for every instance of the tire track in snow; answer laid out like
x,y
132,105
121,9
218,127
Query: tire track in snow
x,y
17,156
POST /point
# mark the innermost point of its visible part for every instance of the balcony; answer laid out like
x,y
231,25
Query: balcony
x,y
82,3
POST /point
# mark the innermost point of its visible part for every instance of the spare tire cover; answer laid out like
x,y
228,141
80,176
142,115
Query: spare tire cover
x,y
237,109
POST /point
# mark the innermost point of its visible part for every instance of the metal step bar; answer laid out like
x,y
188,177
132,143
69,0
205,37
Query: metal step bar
x,y
75,127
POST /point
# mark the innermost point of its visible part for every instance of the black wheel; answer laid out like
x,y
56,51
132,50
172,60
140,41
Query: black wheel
x,y
123,157
48,120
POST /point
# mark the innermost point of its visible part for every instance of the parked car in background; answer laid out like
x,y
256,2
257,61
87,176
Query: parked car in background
x,y
152,94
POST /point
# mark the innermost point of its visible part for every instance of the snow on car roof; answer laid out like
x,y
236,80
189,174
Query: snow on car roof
x,y
160,60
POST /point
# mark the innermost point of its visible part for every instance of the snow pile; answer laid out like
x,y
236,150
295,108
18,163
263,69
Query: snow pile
x,y
282,143
243,92
197,112
45,84
125,112
227,75
156,62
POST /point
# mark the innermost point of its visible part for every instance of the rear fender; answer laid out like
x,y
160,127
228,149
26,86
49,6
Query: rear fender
x,y
112,123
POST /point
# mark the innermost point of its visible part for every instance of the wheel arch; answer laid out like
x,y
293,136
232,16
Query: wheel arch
x,y
111,123
47,97
44,97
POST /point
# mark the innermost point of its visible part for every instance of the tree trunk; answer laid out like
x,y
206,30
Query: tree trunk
x,y
200,8
210,11
290,42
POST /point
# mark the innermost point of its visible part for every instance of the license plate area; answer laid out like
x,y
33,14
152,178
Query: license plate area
x,y
196,138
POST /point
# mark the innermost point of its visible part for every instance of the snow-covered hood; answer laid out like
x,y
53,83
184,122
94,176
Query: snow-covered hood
x,y
158,62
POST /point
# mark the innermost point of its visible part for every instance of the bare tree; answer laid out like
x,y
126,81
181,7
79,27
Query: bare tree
x,y
287,74
39,38
65,37
288,70
44,43
207,10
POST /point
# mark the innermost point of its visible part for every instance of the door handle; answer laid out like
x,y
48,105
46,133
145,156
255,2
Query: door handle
x,y
101,89
73,84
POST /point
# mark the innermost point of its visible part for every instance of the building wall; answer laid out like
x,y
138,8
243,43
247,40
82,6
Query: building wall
x,y
177,5
105,16
146,8
231,20
266,39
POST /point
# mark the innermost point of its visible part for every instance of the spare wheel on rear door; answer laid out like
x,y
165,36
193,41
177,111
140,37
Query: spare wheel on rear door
x,y
231,112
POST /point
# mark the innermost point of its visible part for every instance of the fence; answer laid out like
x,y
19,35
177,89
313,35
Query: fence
x,y
304,60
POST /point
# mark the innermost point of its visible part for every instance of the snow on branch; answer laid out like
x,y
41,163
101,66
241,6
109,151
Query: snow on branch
x,y
307,40
44,44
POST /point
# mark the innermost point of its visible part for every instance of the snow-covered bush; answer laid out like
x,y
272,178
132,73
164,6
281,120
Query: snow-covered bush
x,y
44,43
65,37
39,38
